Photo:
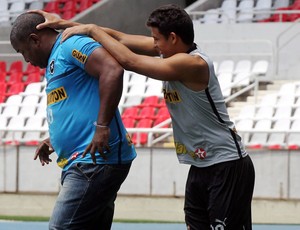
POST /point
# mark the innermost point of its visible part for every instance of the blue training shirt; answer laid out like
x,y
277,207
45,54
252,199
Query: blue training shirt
x,y
73,104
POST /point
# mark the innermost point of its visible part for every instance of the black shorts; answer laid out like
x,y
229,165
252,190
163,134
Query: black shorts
x,y
219,197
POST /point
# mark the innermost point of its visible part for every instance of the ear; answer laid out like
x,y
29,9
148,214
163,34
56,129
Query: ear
x,y
34,39
173,37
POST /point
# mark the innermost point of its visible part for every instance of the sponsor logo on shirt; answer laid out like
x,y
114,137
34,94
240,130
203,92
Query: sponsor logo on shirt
x,y
171,96
79,56
56,95
199,153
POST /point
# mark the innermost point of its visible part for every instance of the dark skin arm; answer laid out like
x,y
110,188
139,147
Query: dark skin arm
x,y
110,74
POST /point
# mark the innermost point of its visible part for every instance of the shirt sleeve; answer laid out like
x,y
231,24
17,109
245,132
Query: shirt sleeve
x,y
78,48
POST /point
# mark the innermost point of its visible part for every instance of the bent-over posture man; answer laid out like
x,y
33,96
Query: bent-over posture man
x,y
220,182
84,86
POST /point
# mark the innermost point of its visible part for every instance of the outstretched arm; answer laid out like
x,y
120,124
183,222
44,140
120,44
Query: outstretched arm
x,y
137,43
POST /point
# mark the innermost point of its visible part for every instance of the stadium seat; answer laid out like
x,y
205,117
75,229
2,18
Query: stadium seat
x,y
129,122
40,111
264,112
32,77
142,138
15,77
262,5
3,67
15,89
281,3
36,5
84,4
12,136
269,100
32,137
243,127
150,101
276,139
52,7
137,79
225,80
14,100
16,66
226,66
146,112
247,111
211,17
27,110
3,126
260,67
228,11
31,69
2,77
130,112
16,8
34,88
3,87
245,14
259,139
283,111
293,139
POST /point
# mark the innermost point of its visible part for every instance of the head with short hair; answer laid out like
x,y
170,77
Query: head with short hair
x,y
35,45
171,18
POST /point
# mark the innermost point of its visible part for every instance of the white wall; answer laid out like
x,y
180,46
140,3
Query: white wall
x,y
154,172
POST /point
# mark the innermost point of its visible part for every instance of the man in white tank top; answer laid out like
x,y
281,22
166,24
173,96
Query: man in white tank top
x,y
220,183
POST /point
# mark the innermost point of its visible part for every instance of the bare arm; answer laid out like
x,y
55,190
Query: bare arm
x,y
110,74
137,43
190,70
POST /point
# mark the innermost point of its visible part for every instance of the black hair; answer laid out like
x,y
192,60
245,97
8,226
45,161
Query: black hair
x,y
24,25
171,18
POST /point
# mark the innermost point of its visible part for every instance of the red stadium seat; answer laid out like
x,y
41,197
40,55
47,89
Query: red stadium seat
x,y
129,122
150,101
2,67
32,77
52,7
142,138
130,112
15,89
84,4
16,66
31,69
146,112
2,76
15,77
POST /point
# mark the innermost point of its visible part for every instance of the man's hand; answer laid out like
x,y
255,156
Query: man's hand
x,y
99,143
80,29
43,151
51,20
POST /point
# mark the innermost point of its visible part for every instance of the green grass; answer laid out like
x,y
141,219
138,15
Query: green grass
x,y
24,218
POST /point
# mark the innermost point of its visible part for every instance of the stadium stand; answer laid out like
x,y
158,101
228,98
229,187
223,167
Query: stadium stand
x,y
142,106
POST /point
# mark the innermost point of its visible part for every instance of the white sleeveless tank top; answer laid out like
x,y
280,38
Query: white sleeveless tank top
x,y
203,132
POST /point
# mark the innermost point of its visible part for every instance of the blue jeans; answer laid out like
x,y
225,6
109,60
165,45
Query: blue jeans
x,y
86,199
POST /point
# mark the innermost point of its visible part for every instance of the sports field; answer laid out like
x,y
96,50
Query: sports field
x,y
17,225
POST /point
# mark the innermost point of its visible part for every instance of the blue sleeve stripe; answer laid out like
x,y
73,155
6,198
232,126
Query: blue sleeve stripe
x,y
65,74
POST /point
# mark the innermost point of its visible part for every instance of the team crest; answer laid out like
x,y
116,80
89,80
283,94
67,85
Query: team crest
x,y
51,67
201,153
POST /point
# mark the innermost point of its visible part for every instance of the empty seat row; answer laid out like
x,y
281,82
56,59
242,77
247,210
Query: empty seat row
x,y
232,11
22,130
265,133
232,75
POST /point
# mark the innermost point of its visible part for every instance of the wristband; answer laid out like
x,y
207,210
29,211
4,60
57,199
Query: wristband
x,y
100,126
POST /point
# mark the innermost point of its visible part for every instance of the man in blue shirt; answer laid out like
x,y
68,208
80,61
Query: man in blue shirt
x,y
84,86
